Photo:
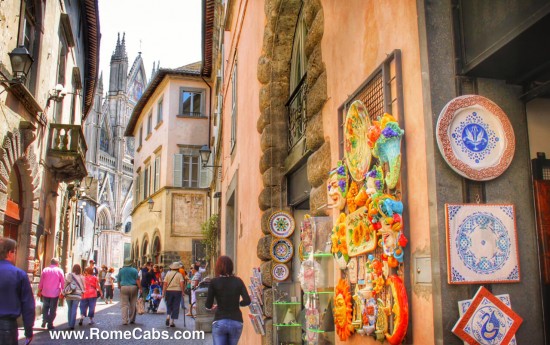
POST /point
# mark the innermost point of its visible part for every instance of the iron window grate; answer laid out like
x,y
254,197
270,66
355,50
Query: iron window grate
x,y
380,93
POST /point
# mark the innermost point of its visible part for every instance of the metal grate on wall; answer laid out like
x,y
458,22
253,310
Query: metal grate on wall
x,y
380,93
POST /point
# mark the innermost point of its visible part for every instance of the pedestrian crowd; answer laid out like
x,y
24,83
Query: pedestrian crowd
x,y
164,290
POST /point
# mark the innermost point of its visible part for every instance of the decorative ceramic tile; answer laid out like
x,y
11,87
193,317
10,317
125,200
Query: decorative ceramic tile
x,y
464,305
356,149
475,137
481,244
488,321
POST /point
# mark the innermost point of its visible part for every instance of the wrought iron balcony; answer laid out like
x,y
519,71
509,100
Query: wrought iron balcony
x,y
66,155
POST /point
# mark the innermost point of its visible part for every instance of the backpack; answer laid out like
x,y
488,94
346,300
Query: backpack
x,y
70,291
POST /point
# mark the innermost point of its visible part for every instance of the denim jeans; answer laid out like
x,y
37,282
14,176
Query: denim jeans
x,y
173,300
72,306
226,332
49,309
8,332
87,304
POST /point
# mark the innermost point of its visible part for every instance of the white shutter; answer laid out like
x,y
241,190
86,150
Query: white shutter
x,y
157,173
178,163
205,177
141,186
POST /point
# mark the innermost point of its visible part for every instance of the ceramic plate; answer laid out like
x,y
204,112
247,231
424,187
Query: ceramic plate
x,y
281,250
356,149
475,137
360,239
281,224
280,272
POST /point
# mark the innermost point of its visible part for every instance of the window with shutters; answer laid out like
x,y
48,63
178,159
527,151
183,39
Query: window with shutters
x,y
187,168
138,187
146,181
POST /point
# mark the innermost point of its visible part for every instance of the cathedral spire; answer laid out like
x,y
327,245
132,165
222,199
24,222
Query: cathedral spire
x,y
120,49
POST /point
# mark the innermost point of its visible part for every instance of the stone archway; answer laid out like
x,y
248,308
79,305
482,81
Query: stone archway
x,y
16,151
274,75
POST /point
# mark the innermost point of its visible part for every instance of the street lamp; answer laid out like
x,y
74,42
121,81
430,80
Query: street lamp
x,y
205,152
21,62
151,204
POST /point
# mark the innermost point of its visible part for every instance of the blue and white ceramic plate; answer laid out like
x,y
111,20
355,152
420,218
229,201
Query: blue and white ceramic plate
x,y
280,272
281,250
475,137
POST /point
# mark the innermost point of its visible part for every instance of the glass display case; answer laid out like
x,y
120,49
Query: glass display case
x,y
317,281
286,309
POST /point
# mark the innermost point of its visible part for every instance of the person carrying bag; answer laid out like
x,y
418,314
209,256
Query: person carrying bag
x,y
74,287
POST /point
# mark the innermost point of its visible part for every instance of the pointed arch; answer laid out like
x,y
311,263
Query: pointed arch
x,y
17,157
103,220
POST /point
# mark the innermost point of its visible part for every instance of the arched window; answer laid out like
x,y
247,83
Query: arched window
x,y
296,103
128,227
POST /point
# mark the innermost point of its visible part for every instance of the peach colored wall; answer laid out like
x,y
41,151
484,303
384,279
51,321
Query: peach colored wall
x,y
174,130
246,41
358,35
357,38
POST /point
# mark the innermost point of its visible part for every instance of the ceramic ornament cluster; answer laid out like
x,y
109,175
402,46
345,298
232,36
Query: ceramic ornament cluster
x,y
367,239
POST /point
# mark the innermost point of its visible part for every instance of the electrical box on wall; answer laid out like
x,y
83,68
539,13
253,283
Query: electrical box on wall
x,y
423,270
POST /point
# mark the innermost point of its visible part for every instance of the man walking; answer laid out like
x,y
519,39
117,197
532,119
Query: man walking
x,y
128,282
92,265
49,288
17,296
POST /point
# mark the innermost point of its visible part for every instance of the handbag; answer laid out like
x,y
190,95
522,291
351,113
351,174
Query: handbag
x,y
140,306
162,307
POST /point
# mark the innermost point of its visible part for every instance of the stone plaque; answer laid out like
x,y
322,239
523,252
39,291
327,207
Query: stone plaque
x,y
188,214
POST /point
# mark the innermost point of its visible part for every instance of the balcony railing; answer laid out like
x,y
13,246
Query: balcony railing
x,y
66,152
297,120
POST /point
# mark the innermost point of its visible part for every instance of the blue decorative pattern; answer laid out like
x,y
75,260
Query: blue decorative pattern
x,y
508,210
482,243
452,211
475,138
457,277
488,325
514,275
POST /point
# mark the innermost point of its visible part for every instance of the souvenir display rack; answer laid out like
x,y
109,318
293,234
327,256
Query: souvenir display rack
x,y
286,311
256,304
316,278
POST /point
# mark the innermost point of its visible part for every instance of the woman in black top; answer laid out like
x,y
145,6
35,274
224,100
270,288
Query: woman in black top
x,y
227,289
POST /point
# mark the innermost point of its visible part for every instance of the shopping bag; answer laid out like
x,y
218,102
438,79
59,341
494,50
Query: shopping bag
x,y
162,307
140,307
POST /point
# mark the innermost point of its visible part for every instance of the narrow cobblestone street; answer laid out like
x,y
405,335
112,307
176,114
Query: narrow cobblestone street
x,y
109,327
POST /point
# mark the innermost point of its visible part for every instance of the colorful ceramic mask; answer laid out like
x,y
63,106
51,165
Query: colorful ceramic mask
x,y
388,148
337,185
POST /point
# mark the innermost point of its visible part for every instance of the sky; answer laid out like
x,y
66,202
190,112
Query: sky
x,y
165,30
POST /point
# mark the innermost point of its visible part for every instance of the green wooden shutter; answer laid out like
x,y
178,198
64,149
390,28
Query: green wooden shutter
x,y
178,163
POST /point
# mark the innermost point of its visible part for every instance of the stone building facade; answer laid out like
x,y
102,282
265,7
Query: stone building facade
x,y
109,160
43,148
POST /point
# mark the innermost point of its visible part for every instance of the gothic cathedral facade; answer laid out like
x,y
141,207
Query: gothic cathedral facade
x,y
110,156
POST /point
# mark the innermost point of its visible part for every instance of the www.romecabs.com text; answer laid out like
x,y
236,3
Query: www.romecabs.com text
x,y
134,334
